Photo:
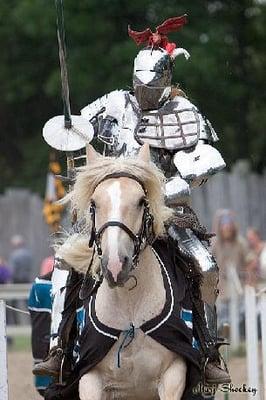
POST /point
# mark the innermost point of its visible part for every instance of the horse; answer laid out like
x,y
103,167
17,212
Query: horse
x,y
122,201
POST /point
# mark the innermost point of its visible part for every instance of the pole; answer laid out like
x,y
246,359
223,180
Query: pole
x,y
263,338
252,341
3,353
61,37
226,336
234,308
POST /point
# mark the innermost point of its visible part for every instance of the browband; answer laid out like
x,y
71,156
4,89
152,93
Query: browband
x,y
123,175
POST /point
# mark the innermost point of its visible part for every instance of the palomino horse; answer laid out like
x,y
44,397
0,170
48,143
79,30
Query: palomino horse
x,y
122,195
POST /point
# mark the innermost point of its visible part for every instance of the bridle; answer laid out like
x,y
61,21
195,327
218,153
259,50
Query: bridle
x,y
145,234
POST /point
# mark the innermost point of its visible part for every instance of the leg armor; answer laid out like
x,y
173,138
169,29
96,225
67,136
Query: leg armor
x,y
203,275
59,279
68,326
191,247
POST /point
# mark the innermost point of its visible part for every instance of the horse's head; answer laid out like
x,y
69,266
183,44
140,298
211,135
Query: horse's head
x,y
125,197
121,221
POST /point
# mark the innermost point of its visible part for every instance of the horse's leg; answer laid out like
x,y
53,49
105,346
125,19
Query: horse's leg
x,y
90,386
172,382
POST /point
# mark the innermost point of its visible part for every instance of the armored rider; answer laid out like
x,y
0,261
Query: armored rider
x,y
181,140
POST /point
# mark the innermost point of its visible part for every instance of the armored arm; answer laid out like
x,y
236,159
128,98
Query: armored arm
x,y
177,190
193,169
194,165
105,114
197,163
207,133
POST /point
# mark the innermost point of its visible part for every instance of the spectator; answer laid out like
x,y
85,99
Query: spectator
x,y
257,267
231,251
20,260
21,264
5,277
40,306
5,273
47,265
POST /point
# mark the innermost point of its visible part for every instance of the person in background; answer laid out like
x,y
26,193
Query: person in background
x,y
232,254
21,264
5,277
40,306
256,273
47,265
5,273
20,260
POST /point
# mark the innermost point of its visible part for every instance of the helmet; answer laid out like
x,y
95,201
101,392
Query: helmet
x,y
152,77
154,64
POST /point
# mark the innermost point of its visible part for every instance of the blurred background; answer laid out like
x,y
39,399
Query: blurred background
x,y
225,78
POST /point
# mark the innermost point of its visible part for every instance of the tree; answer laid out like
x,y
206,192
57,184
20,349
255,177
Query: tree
x,y
224,77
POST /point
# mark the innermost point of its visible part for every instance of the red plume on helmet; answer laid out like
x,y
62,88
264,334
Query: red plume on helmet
x,y
159,38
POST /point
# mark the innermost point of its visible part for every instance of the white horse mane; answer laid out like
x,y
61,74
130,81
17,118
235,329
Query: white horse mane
x,y
75,250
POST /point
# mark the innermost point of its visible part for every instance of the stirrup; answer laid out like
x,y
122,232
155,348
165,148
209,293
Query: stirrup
x,y
60,380
221,342
64,373
223,366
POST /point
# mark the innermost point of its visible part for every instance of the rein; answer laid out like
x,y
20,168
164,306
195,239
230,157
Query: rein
x,y
146,232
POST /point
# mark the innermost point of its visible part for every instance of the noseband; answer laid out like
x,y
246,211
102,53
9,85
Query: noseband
x,y
145,234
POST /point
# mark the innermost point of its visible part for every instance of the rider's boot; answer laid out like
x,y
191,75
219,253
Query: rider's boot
x,y
216,374
51,366
215,371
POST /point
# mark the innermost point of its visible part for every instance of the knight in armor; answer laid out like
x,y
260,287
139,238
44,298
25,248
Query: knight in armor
x,y
181,141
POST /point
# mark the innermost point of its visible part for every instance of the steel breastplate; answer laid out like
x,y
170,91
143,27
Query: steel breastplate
x,y
170,127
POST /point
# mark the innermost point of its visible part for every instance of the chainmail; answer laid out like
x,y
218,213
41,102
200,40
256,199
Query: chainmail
x,y
188,219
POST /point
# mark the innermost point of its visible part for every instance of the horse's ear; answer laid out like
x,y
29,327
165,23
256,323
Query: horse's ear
x,y
144,153
91,153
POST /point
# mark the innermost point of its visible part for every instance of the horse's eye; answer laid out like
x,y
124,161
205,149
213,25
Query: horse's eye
x,y
142,201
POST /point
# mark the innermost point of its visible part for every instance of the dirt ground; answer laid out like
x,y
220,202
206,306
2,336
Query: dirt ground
x,y
21,380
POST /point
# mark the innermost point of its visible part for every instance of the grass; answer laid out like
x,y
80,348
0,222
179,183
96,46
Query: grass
x,y
20,343
240,351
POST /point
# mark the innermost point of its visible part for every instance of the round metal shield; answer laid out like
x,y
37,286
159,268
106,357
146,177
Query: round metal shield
x,y
61,138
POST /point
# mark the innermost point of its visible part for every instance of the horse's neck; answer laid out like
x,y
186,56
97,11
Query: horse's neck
x,y
120,306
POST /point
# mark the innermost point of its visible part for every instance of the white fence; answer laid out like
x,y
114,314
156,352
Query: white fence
x,y
255,310
7,293
3,353
18,291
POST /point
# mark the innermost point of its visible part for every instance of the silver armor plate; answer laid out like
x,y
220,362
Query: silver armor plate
x,y
171,127
189,242
199,164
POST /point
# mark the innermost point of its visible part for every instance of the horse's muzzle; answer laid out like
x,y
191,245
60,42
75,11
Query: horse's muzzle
x,y
110,271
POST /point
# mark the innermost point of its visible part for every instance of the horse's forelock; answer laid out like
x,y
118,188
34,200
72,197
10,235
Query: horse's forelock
x,y
152,178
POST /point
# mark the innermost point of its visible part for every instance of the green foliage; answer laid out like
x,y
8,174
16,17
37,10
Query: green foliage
x,y
225,76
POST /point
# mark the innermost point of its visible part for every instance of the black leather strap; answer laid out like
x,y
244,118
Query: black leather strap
x,y
123,175
119,225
